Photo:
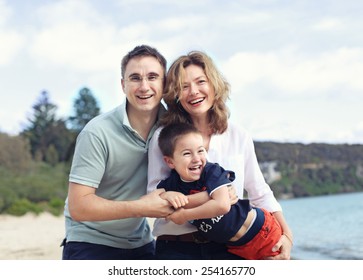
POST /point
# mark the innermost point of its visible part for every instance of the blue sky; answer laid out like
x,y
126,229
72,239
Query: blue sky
x,y
295,67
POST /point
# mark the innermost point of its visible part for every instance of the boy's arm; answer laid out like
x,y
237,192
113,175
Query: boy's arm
x,y
200,198
219,204
176,199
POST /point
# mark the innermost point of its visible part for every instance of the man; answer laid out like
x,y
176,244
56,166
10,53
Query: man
x,y
106,202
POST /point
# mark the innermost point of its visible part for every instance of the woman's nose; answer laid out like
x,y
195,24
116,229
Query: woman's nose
x,y
194,89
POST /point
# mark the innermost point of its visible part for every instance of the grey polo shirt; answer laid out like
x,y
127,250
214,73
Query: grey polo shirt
x,y
111,157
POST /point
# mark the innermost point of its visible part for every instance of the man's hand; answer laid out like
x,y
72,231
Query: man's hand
x,y
154,206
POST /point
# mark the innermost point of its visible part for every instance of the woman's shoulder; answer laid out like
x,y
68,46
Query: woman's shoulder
x,y
236,130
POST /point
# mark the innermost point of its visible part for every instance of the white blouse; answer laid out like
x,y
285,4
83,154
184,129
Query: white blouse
x,y
233,150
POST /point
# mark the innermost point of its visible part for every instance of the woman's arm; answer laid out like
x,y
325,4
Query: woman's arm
x,y
286,241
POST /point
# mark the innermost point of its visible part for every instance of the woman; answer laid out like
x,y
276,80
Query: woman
x,y
196,93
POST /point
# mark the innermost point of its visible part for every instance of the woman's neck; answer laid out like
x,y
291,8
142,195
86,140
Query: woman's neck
x,y
204,128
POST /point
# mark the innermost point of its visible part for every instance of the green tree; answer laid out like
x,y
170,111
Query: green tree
x,y
85,108
45,129
41,121
14,153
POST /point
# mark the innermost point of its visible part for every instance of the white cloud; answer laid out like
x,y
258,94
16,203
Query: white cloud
x,y
75,36
328,24
291,72
11,41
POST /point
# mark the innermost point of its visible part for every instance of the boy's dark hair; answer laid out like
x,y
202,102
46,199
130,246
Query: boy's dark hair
x,y
139,51
171,133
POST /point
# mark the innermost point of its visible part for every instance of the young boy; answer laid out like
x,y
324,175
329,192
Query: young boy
x,y
248,232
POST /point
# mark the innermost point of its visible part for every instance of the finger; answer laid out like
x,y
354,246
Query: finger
x,y
276,247
159,191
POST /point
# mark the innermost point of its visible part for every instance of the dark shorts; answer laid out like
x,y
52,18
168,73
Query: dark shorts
x,y
89,251
178,250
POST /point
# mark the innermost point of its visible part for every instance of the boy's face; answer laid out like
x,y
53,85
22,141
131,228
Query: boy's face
x,y
189,157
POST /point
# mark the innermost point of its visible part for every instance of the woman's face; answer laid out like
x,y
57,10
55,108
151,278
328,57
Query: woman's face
x,y
197,95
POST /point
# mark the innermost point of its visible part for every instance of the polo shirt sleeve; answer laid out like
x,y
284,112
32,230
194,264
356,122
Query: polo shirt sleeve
x,y
89,160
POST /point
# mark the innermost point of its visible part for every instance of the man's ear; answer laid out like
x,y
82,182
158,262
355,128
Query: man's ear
x,y
169,161
123,85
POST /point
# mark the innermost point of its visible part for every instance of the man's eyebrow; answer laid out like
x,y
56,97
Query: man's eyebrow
x,y
148,74
153,74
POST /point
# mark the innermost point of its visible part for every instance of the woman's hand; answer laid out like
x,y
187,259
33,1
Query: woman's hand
x,y
285,246
233,198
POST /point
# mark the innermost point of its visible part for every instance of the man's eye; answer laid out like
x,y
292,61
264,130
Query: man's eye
x,y
135,78
152,77
186,154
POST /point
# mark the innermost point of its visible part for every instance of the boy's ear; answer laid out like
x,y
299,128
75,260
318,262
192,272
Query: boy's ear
x,y
169,161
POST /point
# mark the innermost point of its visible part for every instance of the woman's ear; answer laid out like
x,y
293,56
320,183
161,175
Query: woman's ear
x,y
169,161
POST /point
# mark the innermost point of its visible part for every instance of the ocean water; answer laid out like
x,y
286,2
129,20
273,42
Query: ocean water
x,y
326,227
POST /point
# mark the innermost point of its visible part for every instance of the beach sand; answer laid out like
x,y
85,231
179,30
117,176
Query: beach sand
x,y
31,237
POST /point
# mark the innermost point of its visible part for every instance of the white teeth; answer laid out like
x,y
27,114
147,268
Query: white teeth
x,y
195,167
197,101
144,97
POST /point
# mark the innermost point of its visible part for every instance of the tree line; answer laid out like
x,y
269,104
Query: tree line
x,y
34,164
313,169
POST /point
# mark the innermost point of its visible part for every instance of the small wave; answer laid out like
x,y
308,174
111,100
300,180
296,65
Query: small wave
x,y
311,252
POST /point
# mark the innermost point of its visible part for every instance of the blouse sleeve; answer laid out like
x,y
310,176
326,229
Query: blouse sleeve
x,y
157,168
259,192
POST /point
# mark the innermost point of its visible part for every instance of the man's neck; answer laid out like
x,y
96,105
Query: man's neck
x,y
142,121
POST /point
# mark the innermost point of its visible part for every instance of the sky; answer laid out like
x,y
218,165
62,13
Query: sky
x,y
295,67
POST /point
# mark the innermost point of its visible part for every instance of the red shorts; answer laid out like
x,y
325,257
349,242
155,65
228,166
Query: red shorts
x,y
260,246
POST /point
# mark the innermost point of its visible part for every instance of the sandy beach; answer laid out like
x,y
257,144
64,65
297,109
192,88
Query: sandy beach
x,y
31,237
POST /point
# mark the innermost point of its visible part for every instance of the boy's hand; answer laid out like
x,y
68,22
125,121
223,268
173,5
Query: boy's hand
x,y
177,217
176,199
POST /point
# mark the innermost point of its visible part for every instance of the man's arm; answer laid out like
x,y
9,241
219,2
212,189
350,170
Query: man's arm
x,y
85,205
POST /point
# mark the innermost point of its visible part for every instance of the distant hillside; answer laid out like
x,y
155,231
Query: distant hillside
x,y
295,170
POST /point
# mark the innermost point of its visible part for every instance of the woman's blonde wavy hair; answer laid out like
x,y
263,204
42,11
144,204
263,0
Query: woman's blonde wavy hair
x,y
218,113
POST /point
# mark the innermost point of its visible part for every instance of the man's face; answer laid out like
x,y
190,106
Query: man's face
x,y
143,83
